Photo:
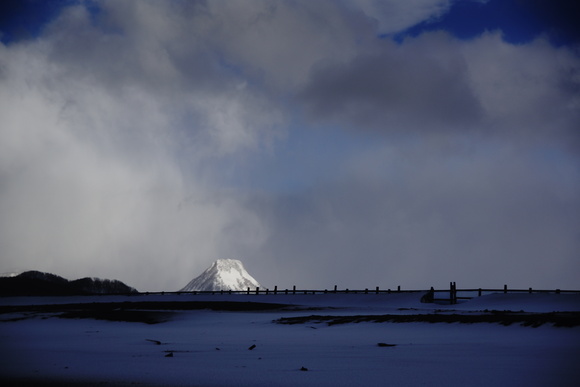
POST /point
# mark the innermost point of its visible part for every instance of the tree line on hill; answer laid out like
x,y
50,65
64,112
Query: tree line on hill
x,y
36,283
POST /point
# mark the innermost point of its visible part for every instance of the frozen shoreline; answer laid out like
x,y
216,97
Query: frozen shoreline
x,y
210,347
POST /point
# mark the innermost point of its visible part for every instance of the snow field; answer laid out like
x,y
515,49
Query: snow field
x,y
210,348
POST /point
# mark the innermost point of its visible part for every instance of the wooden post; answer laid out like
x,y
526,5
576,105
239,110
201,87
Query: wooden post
x,y
276,289
267,290
505,289
530,291
479,292
286,291
399,288
377,290
248,290
335,287
258,290
452,293
294,289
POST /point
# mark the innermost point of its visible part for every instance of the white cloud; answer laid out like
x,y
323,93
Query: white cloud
x,y
394,16
531,89
104,143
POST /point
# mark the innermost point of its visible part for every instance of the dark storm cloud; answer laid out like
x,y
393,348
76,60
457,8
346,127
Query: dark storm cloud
x,y
420,85
142,141
436,84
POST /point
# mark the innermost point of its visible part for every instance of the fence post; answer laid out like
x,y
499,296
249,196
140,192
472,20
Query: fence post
x,y
276,289
248,290
377,290
530,291
258,290
479,292
399,288
294,289
505,289
335,287
452,293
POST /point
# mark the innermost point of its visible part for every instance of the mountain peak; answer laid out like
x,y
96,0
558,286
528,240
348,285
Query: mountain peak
x,y
223,274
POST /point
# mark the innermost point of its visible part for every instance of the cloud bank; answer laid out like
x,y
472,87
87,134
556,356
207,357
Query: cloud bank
x,y
146,139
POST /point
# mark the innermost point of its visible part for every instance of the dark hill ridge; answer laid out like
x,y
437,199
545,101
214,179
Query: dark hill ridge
x,y
36,283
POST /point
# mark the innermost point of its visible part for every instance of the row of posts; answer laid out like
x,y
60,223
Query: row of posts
x,y
452,291
286,291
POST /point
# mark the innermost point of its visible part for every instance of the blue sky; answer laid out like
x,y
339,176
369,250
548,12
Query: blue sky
x,y
519,21
358,143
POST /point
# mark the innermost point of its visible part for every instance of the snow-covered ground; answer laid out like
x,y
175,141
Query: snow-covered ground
x,y
211,348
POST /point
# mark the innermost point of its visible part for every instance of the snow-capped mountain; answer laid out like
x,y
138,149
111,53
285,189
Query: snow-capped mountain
x,y
223,274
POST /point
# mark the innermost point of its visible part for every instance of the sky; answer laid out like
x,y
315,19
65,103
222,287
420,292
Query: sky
x,y
351,143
